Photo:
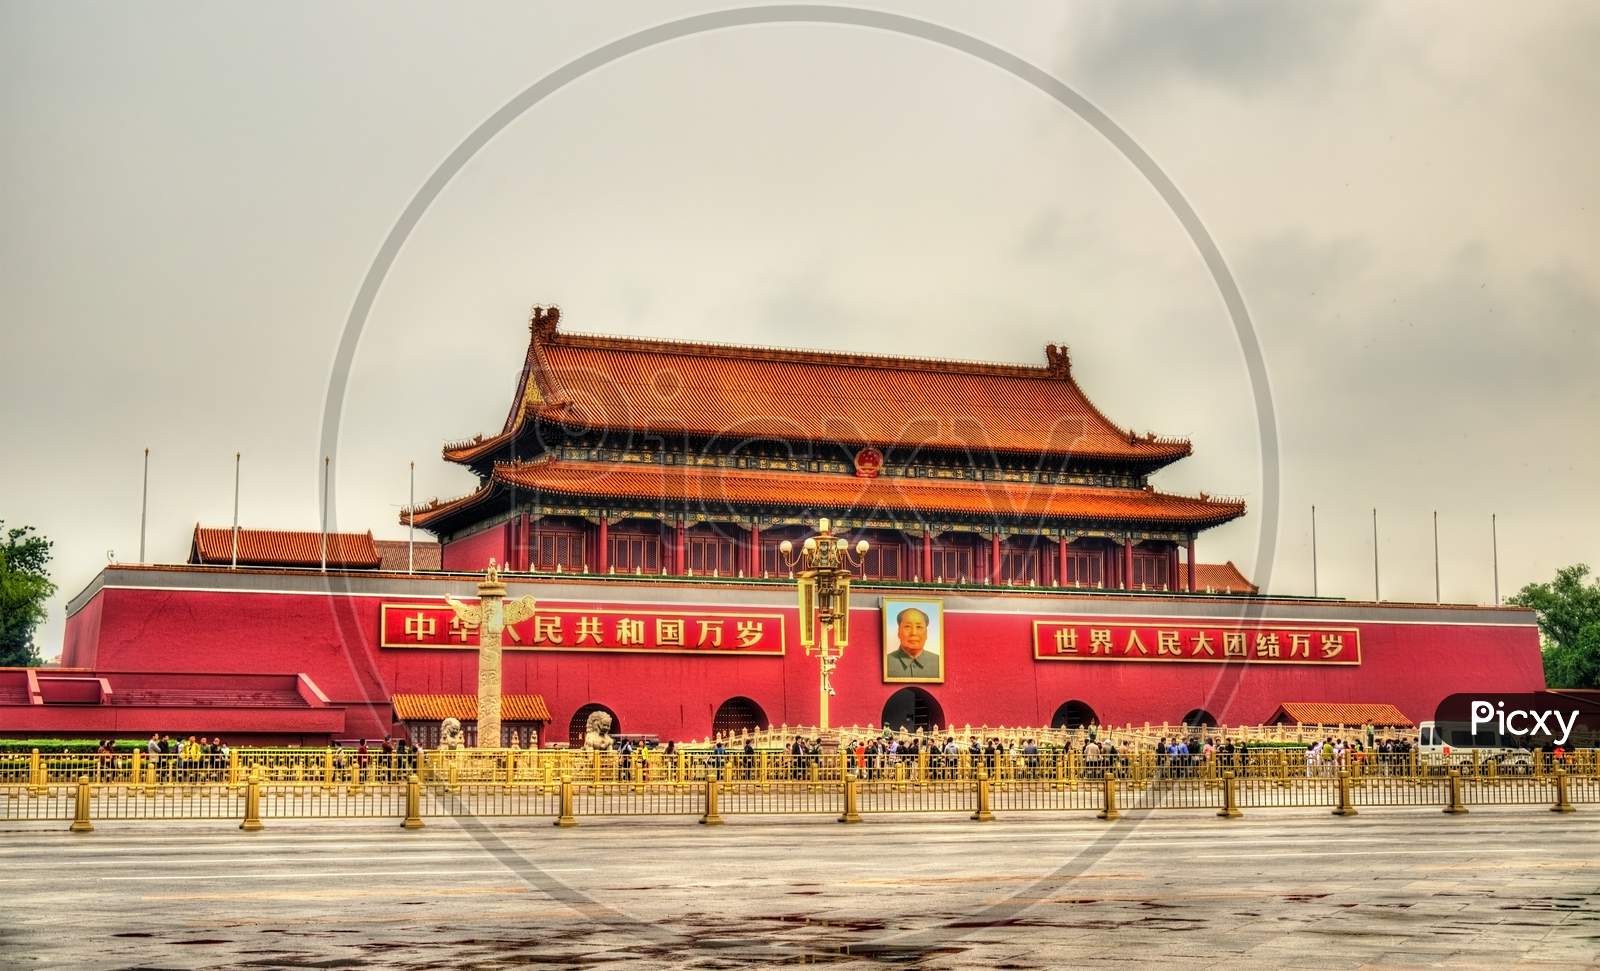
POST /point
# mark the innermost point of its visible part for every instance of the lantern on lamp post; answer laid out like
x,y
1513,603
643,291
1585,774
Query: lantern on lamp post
x,y
822,568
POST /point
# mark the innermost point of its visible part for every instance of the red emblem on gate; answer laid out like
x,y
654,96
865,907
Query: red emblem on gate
x,y
868,462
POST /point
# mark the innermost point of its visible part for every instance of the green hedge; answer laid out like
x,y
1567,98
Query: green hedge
x,y
89,745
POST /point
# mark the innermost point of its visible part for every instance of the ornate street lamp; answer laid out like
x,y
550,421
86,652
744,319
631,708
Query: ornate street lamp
x,y
823,567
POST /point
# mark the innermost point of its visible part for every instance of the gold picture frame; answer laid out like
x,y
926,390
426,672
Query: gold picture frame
x,y
927,665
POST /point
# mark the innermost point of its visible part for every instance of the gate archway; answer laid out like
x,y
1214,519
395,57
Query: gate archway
x,y
912,708
581,717
1074,714
1200,718
737,715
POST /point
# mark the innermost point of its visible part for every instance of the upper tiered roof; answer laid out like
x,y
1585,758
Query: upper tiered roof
x,y
719,390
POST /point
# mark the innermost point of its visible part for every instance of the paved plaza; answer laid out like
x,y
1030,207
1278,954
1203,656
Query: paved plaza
x,y
1513,887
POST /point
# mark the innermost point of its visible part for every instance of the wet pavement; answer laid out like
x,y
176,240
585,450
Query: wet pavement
x,y
1500,888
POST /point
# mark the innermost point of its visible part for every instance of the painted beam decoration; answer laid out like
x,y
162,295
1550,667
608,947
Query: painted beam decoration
x,y
1254,643
614,628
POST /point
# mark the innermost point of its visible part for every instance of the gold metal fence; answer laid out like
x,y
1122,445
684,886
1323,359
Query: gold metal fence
x,y
332,768
567,785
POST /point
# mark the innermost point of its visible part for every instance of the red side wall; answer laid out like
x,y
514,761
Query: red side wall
x,y
991,675
82,636
472,554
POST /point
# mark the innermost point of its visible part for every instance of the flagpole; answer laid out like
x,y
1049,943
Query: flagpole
x,y
325,462
411,524
144,504
1494,534
1314,550
1438,597
235,563
1377,594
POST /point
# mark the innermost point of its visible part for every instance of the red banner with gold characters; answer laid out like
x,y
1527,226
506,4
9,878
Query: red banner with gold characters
x,y
1255,643
614,628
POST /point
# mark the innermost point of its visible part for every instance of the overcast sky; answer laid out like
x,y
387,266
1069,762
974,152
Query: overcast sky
x,y
191,195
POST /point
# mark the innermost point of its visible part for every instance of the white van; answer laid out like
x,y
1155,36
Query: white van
x,y
1435,749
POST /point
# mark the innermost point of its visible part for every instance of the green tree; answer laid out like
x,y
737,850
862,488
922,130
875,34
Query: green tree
x,y
24,588
1569,622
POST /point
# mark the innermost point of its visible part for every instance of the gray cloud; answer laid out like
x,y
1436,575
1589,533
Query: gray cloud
x,y
1243,45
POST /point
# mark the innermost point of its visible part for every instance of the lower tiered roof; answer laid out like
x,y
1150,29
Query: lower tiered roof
x,y
705,488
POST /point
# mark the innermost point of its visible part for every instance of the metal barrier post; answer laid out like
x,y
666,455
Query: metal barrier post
x,y
636,773
983,815
327,769
511,766
761,770
813,772
452,777
852,813
233,767
712,817
80,808
566,817
413,818
1563,804
252,802
1110,809
922,768
1345,807
1230,798
136,770
1456,808
35,774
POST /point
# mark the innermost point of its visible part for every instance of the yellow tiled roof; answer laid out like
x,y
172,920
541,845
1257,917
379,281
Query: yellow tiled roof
x,y
513,708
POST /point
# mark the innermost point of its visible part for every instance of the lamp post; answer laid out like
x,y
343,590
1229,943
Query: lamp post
x,y
822,568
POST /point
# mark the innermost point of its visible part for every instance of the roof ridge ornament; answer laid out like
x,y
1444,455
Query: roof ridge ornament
x,y
1059,361
542,322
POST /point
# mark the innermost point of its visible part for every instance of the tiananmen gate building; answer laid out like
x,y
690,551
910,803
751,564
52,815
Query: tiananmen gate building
x,y
640,491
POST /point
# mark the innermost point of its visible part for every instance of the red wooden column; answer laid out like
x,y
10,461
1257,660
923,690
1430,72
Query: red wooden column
x,y
755,552
679,554
1190,566
1127,564
602,542
526,559
994,558
1061,560
927,556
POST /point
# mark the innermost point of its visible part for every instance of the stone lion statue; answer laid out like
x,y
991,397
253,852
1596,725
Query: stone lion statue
x,y
597,732
450,734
